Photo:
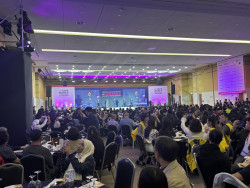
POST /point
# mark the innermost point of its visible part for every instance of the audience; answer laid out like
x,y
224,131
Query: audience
x,y
74,138
150,134
211,160
167,128
5,152
112,121
152,177
82,161
94,137
91,119
37,149
126,121
226,126
166,150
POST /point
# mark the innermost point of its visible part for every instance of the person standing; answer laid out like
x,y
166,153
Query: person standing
x,y
91,119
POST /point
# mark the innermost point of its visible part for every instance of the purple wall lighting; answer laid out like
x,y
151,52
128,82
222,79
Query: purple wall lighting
x,y
110,76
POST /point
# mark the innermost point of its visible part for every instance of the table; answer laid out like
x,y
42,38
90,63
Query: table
x,y
77,183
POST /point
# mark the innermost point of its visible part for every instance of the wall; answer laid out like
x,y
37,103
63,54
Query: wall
x,y
38,90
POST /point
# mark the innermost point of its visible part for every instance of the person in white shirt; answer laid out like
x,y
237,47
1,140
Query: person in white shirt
x,y
194,130
39,122
57,124
150,134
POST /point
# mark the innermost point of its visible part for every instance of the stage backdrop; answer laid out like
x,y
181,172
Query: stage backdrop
x,y
63,96
111,97
158,94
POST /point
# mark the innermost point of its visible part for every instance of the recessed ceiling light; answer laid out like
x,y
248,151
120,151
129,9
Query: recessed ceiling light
x,y
106,81
135,53
143,81
138,36
124,81
134,81
73,81
73,68
84,80
95,81
137,72
114,80
173,67
120,67
57,68
60,77
73,65
133,67
179,69
185,67
89,65
125,72
57,65
143,69
129,69
155,69
147,67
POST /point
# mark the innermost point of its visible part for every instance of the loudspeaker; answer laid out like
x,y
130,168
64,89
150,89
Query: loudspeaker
x,y
65,83
48,91
173,89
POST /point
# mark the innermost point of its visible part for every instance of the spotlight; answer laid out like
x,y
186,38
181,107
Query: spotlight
x,y
26,24
6,27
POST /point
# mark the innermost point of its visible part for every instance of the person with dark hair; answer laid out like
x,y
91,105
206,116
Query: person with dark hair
x,y
243,137
91,119
74,138
194,130
152,177
226,126
167,128
5,152
37,149
144,121
39,122
211,160
94,137
126,121
150,134
166,150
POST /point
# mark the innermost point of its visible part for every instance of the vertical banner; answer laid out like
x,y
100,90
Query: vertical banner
x,y
158,95
63,96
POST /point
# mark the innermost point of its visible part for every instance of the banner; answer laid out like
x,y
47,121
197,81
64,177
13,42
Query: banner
x,y
158,95
63,96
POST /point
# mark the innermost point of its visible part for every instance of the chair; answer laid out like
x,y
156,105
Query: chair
x,y
126,132
110,137
142,148
112,128
124,174
182,153
221,180
1,161
11,174
55,134
32,163
199,170
118,141
190,158
108,159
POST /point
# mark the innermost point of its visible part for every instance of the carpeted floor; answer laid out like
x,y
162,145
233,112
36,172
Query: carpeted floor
x,y
128,152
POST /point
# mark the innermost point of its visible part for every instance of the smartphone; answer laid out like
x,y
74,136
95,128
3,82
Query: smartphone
x,y
189,114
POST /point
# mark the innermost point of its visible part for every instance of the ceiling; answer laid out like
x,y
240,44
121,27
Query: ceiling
x,y
170,18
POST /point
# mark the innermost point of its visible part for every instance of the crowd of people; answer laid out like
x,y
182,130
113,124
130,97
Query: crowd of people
x,y
220,130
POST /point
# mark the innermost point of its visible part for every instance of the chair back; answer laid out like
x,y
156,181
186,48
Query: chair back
x,y
1,161
125,131
124,174
182,151
110,137
32,163
223,179
140,143
112,128
11,174
118,141
109,155
199,170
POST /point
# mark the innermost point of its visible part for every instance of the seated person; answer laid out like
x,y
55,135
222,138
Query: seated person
x,y
36,149
112,121
94,137
211,160
5,152
39,122
166,150
74,138
167,128
150,134
152,177
226,126
126,121
194,130
244,141
81,161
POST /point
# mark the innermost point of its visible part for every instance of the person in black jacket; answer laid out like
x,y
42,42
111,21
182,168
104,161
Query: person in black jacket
x,y
243,139
94,137
211,160
82,161
91,119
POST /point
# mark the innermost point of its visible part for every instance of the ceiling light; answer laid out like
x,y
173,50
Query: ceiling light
x,y
125,72
124,81
95,81
134,81
57,68
129,69
135,53
147,67
106,81
139,36
155,69
143,81
185,67
173,67
89,65
179,69
143,69
114,80
73,65
120,67
73,81
84,80
57,65
133,67
73,68
137,72
60,77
